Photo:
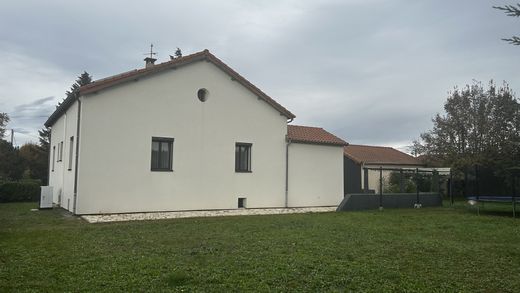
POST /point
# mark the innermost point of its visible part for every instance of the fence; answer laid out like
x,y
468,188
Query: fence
x,y
400,188
488,184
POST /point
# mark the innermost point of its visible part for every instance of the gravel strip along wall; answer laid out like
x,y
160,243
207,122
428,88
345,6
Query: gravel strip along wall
x,y
197,214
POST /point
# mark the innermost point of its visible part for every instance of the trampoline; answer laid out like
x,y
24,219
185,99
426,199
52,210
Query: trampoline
x,y
483,185
513,200
492,198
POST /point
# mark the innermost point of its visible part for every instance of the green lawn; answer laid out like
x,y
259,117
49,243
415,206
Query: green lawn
x,y
439,249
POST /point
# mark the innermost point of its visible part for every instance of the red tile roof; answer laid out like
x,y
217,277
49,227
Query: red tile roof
x,y
312,135
177,62
379,155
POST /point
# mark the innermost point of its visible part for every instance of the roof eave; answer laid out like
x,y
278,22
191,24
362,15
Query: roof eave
x,y
133,75
394,163
200,56
60,110
356,160
318,142
236,76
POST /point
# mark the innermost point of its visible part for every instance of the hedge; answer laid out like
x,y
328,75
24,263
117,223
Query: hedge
x,y
19,191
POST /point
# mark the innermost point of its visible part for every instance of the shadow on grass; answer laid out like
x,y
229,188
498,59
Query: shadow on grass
x,y
498,213
177,279
491,209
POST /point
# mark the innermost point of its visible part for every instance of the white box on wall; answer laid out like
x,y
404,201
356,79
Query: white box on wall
x,y
46,197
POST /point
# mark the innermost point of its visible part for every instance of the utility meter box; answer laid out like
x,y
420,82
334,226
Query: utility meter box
x,y
46,197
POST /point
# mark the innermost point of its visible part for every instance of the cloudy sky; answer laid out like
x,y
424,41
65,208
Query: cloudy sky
x,y
370,71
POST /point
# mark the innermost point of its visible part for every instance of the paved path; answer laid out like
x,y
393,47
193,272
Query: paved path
x,y
196,214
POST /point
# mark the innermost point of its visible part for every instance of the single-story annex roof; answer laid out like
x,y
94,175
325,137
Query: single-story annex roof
x,y
177,62
313,135
365,154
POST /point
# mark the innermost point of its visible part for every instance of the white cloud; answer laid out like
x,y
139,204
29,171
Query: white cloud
x,y
28,88
371,71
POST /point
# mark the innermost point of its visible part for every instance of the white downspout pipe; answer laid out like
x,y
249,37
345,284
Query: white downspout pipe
x,y
287,172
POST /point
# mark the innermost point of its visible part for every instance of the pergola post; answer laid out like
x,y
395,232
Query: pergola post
x,y
381,187
417,202
365,180
401,181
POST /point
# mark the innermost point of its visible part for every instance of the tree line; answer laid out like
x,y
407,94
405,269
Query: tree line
x,y
480,126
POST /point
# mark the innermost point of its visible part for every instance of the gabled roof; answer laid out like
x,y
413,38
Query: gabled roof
x,y
379,155
312,135
132,75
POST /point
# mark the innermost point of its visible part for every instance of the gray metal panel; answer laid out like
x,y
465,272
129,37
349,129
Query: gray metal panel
x,y
351,176
357,202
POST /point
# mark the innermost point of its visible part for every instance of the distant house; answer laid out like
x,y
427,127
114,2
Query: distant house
x,y
188,134
357,157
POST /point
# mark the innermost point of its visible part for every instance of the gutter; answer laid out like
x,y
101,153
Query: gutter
x,y
50,160
76,167
287,172
61,195
288,142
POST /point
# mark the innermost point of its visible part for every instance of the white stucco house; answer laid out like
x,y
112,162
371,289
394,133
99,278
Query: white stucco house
x,y
188,134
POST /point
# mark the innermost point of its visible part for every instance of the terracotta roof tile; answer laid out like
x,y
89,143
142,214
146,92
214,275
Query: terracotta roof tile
x,y
379,155
177,62
136,73
313,135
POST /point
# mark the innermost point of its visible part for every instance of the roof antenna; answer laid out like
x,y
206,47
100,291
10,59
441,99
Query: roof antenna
x,y
150,61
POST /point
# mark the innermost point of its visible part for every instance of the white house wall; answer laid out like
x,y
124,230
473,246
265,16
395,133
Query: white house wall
x,y
61,178
315,175
116,136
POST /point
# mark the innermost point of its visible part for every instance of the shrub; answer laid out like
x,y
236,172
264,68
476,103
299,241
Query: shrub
x,y
19,191
34,181
394,185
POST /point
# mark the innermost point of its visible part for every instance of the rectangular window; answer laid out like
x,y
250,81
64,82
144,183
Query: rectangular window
x,y
243,157
53,157
71,151
60,151
162,154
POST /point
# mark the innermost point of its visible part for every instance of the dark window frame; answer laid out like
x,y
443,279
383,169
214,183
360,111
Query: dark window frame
x,y
238,163
168,140
71,152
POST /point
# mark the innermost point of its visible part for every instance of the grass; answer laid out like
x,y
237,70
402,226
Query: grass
x,y
425,250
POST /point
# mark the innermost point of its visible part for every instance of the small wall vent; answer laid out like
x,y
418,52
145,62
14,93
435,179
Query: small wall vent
x,y
242,202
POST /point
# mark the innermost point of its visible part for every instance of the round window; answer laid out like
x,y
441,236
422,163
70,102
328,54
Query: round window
x,y
203,94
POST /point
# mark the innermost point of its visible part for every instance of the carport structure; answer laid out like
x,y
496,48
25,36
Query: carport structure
x,y
400,188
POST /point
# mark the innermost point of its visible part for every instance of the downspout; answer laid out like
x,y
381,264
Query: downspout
x,y
61,147
287,172
50,160
76,159
288,142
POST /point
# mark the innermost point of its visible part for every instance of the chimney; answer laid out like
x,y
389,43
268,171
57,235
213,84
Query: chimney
x,y
149,62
